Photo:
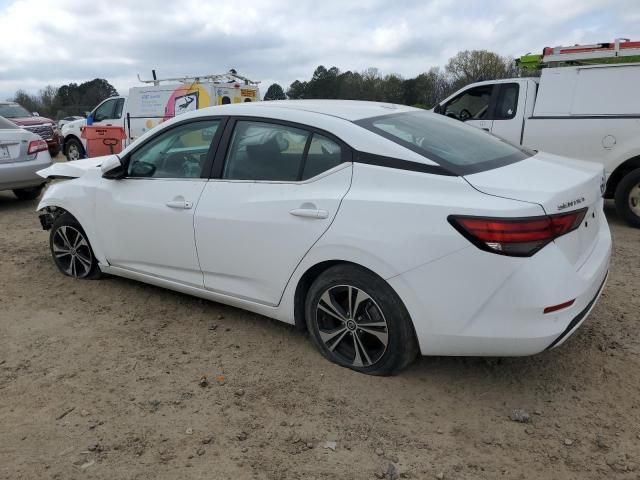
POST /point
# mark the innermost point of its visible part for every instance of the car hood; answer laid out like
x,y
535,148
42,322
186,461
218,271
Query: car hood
x,y
29,121
73,169
74,124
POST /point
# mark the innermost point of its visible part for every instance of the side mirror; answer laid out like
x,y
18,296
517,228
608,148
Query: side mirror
x,y
437,108
89,120
86,114
112,167
35,114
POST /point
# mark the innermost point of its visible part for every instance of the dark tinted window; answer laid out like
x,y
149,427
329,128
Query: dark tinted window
x,y
462,148
180,152
118,110
6,124
265,151
104,111
507,103
472,104
324,154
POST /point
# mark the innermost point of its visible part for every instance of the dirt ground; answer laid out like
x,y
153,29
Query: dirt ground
x,y
101,379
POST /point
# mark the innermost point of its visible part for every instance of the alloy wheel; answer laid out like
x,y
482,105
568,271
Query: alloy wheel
x,y
73,152
634,199
71,252
352,326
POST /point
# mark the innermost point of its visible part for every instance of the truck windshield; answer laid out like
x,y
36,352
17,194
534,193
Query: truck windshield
x,y
459,148
9,110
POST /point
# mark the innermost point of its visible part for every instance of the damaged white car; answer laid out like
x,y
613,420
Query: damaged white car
x,y
384,230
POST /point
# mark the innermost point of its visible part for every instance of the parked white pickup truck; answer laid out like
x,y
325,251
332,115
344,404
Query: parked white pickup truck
x,y
586,112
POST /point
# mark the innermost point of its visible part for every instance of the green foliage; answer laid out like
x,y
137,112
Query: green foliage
x,y
275,92
71,99
425,90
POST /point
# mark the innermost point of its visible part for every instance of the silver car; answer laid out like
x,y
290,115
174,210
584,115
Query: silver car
x,y
22,154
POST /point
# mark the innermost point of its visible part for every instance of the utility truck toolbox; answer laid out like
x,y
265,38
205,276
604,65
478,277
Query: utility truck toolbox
x,y
103,140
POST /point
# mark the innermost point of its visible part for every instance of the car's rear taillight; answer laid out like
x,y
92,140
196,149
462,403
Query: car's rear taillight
x,y
518,237
36,146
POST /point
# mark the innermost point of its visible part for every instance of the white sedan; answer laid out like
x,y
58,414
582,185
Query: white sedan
x,y
384,230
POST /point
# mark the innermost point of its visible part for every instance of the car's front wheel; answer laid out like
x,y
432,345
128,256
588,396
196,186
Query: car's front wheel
x,y
628,198
71,250
356,320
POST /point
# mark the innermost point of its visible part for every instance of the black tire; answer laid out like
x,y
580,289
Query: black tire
x,y
73,148
360,343
28,193
54,151
68,236
626,196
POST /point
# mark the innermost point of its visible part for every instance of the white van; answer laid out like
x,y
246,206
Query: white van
x,y
587,112
149,106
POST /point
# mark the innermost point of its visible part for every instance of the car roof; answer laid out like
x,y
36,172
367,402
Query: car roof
x,y
334,116
351,110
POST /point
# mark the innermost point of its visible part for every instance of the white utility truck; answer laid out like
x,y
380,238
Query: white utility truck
x,y
587,106
148,106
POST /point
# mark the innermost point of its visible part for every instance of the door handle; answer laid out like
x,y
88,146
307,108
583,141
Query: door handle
x,y
183,204
309,213
485,128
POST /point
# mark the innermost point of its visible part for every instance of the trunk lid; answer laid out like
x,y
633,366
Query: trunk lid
x,y
13,145
558,185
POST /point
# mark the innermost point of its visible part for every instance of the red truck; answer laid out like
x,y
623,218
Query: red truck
x,y
42,126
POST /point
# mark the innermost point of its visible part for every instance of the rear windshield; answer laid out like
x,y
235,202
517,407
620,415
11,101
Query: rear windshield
x,y
6,124
12,110
457,147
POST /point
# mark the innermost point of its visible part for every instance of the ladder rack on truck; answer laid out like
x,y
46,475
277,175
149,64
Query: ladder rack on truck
x,y
229,77
622,50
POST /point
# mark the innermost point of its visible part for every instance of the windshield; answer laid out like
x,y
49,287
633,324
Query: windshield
x,y
13,110
460,148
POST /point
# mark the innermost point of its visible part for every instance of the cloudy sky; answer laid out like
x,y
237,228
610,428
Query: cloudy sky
x,y
46,42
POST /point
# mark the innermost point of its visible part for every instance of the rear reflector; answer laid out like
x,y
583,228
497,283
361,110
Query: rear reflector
x,y
518,237
36,146
560,306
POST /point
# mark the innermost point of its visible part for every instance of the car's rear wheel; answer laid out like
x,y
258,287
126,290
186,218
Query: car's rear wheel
x,y
28,193
73,149
71,250
357,321
628,198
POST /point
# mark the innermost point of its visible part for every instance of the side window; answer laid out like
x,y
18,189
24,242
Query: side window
x,y
473,104
265,151
104,111
119,105
507,103
179,152
324,154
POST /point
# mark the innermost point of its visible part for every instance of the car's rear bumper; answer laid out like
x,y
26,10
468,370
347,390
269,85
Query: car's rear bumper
x,y
479,303
23,174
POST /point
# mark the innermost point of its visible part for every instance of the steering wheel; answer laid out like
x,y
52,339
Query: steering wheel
x,y
177,163
464,115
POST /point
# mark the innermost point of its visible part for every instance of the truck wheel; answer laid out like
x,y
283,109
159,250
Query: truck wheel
x,y
628,198
28,193
73,149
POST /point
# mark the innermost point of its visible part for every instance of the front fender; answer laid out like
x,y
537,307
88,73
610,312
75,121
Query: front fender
x,y
79,201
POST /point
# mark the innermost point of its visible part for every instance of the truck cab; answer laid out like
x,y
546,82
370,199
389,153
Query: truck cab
x,y
497,106
109,112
